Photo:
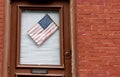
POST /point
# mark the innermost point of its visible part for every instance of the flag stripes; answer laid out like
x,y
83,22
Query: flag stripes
x,y
42,30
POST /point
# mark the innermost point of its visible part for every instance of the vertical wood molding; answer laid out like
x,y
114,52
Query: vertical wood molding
x,y
73,36
6,38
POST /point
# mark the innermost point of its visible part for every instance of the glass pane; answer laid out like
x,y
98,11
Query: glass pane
x,y
30,53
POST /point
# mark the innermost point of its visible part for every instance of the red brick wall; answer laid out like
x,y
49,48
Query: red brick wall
x,y
98,40
1,34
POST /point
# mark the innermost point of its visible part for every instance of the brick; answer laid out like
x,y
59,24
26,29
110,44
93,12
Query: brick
x,y
1,33
115,7
1,1
92,2
114,11
114,1
86,1
115,16
1,17
1,5
1,8
98,38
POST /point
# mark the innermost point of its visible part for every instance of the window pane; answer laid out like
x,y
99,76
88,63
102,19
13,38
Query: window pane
x,y
30,53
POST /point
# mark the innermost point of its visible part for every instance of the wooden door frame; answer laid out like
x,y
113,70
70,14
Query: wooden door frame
x,y
6,51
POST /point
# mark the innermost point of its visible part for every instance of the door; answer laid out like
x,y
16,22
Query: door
x,y
31,57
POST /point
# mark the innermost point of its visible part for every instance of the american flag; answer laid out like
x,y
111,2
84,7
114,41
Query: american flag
x,y
43,29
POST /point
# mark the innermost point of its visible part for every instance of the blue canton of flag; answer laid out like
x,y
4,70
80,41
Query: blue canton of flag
x,y
42,30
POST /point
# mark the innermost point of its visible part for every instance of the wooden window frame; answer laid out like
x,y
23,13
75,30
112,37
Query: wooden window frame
x,y
36,75
43,8
7,38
